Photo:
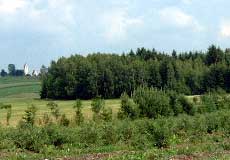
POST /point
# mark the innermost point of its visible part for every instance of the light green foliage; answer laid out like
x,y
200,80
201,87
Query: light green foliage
x,y
30,113
64,121
55,111
79,118
8,113
152,103
97,105
106,114
128,108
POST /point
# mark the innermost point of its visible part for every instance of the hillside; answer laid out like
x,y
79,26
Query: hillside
x,y
19,86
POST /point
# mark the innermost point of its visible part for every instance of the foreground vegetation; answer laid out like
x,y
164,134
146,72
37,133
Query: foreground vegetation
x,y
139,139
151,124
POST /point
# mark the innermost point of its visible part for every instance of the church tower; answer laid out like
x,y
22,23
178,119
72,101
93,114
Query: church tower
x,y
26,69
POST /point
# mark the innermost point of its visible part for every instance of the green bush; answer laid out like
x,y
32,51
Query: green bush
x,y
128,108
89,134
29,137
97,105
55,111
175,103
64,121
106,114
108,134
79,118
160,133
188,107
57,135
152,103
29,117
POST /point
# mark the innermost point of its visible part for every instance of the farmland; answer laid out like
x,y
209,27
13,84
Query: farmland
x,y
23,92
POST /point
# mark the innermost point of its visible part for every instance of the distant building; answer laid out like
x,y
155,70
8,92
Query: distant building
x,y
26,69
35,73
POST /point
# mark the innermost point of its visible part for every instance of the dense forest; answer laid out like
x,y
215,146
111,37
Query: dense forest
x,y
109,75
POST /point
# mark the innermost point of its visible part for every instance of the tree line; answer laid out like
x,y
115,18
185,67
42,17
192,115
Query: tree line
x,y
110,75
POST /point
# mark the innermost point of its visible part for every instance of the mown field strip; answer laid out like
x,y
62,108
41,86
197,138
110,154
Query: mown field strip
x,y
2,86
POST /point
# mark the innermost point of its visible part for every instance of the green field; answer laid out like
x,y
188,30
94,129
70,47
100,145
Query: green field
x,y
19,87
23,92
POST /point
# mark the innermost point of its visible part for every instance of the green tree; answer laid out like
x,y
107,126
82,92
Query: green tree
x,y
214,55
30,115
55,111
79,118
3,73
11,69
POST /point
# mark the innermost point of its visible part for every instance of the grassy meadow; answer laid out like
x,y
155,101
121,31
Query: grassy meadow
x,y
23,92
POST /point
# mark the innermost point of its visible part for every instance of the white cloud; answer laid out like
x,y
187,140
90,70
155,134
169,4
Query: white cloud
x,y
117,24
177,17
225,29
11,6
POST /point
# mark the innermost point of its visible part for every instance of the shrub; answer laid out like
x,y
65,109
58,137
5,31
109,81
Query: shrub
x,y
64,121
187,106
9,112
89,134
29,117
79,118
97,105
128,108
175,103
159,133
106,114
29,137
152,103
57,135
46,119
108,134
55,111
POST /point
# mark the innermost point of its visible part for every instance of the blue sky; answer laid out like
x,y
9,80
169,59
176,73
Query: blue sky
x,y
38,31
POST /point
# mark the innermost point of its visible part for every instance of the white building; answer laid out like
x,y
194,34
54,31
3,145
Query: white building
x,y
35,73
26,69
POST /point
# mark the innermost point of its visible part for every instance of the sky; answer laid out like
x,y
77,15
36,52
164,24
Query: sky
x,y
38,31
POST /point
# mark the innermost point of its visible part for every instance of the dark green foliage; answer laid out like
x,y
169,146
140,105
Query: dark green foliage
x,y
11,69
3,73
214,55
110,75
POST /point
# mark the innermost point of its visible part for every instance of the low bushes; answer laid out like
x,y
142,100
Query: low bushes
x,y
154,103
140,134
